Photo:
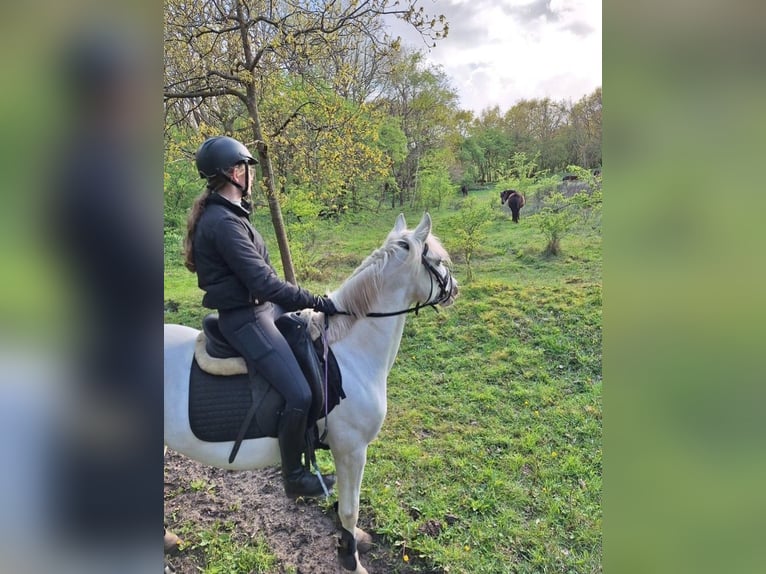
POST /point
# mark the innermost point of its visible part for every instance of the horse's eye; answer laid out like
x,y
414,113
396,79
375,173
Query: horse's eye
x,y
404,245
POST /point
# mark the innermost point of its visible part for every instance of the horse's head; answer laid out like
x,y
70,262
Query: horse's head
x,y
424,260
409,271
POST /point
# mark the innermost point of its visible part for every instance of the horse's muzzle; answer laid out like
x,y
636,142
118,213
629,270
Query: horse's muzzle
x,y
453,291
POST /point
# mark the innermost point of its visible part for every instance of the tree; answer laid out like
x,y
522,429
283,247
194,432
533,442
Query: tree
x,y
434,183
422,97
219,49
586,122
392,142
494,145
331,149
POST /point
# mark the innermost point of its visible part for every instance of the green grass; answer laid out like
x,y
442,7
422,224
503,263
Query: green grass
x,y
490,456
222,549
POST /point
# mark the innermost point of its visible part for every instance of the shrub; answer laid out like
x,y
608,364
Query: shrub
x,y
470,225
556,218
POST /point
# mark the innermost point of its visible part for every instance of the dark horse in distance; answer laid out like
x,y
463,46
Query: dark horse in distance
x,y
514,200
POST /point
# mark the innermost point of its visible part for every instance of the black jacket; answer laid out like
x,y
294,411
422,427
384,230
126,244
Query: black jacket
x,y
233,265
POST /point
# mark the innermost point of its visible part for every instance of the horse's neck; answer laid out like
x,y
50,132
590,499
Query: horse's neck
x,y
375,340
380,338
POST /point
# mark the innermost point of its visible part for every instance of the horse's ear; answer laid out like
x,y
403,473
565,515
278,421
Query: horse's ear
x,y
400,224
423,229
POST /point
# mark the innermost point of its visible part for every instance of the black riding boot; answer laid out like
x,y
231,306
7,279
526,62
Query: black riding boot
x,y
298,481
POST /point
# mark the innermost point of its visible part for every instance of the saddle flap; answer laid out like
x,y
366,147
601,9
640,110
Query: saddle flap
x,y
295,329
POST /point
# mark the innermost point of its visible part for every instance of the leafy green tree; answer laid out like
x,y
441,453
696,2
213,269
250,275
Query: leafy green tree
x,y
301,210
586,130
331,148
392,141
494,145
470,156
434,184
423,98
221,49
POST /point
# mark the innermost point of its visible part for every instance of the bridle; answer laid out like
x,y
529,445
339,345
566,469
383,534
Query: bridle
x,y
444,283
442,296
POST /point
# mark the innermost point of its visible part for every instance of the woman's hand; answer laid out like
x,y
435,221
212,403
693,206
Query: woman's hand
x,y
324,305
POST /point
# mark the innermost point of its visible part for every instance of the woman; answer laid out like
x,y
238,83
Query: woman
x,y
233,268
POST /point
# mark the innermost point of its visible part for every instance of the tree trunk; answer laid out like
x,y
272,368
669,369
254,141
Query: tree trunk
x,y
271,192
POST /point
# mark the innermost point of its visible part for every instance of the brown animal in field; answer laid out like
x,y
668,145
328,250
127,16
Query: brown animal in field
x,y
514,200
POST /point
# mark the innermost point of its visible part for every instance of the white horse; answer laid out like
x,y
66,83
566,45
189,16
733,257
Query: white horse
x,y
410,268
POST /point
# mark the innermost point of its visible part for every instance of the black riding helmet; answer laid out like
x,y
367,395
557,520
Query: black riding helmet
x,y
217,154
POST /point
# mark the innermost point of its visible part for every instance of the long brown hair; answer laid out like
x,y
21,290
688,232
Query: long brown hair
x,y
197,209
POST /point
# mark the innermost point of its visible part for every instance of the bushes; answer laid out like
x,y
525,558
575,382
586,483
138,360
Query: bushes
x,y
554,220
559,214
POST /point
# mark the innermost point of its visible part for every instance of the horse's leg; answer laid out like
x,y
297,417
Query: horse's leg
x,y
349,468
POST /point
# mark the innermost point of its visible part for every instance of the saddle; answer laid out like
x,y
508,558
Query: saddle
x,y
226,405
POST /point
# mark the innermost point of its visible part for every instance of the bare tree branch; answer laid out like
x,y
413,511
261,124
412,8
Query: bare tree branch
x,y
291,118
205,93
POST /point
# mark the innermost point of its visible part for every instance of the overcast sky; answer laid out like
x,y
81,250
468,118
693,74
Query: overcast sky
x,y
501,51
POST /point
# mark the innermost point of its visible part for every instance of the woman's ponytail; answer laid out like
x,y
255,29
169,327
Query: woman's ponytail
x,y
198,207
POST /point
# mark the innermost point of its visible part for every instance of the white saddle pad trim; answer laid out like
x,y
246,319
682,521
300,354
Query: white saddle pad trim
x,y
215,366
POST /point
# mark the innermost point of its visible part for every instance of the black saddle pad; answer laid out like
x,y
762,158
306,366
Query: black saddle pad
x,y
218,405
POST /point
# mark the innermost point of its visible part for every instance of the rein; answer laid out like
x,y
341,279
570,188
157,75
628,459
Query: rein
x,y
443,292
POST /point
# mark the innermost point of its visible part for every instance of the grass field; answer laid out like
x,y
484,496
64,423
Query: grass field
x,y
490,457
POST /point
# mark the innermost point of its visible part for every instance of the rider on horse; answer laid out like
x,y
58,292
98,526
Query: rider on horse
x,y
233,268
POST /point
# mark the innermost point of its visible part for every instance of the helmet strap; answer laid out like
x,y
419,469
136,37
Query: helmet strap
x,y
243,189
245,195
232,181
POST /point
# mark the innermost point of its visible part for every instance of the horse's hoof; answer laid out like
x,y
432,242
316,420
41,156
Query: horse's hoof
x,y
171,542
363,541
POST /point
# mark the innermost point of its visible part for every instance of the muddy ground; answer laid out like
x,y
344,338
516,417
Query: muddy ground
x,y
302,534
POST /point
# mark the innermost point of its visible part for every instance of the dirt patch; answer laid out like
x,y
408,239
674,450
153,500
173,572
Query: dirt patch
x,y
302,534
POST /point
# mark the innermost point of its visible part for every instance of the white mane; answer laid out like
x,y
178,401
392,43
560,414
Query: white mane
x,y
359,293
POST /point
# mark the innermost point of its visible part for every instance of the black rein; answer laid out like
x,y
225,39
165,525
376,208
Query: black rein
x,y
443,292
